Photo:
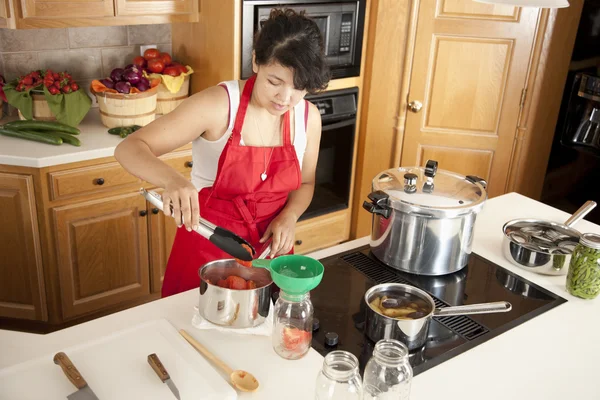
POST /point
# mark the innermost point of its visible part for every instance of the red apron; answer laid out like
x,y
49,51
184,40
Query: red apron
x,y
239,200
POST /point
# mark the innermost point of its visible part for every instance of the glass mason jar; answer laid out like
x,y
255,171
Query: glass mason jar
x,y
583,278
339,379
388,373
292,325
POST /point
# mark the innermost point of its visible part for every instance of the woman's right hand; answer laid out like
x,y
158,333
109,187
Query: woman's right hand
x,y
182,195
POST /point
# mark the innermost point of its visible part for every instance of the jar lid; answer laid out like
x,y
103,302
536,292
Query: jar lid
x,y
590,240
431,191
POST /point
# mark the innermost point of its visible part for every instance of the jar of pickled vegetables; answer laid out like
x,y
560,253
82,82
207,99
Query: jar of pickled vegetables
x,y
583,278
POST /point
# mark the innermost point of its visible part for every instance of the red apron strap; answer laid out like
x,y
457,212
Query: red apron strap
x,y
287,140
236,135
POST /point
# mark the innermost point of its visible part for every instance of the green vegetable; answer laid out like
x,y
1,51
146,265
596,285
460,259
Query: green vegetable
x,y
66,138
34,136
124,131
583,278
42,126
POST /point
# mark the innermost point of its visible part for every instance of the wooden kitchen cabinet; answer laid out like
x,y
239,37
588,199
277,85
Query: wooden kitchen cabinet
x,y
162,235
22,291
102,253
80,13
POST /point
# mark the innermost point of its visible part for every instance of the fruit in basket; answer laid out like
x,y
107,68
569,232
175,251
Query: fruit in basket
x,y
156,65
143,84
124,79
155,62
150,54
140,62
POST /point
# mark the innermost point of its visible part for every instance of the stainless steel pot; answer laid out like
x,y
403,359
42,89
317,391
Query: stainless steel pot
x,y
423,219
542,246
413,332
234,308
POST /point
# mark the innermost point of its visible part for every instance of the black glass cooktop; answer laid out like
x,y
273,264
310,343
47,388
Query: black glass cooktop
x,y
340,308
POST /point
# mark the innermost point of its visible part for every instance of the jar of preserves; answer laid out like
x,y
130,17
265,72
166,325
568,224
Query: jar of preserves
x,y
292,325
340,378
583,278
388,373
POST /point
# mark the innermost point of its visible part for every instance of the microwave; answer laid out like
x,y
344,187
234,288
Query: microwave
x,y
341,24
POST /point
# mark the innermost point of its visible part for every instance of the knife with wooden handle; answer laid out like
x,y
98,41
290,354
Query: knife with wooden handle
x,y
84,392
162,373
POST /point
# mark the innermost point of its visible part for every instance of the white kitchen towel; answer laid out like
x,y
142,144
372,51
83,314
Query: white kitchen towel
x,y
263,329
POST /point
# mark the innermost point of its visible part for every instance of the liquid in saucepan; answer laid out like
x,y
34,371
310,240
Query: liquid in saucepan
x,y
401,306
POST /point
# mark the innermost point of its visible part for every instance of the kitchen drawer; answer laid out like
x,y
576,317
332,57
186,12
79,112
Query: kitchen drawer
x,y
92,179
320,232
181,161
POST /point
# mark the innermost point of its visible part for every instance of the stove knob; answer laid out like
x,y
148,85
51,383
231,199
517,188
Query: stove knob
x,y
331,339
315,326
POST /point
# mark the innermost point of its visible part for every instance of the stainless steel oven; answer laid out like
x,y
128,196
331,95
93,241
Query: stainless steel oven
x,y
336,151
341,23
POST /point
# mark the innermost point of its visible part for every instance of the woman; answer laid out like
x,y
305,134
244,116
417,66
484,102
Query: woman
x,y
255,149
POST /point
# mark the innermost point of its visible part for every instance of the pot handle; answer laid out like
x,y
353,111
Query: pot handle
x,y
482,308
475,178
378,204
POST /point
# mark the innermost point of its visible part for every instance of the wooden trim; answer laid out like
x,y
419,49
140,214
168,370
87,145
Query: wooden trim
x,y
547,74
411,40
388,30
173,98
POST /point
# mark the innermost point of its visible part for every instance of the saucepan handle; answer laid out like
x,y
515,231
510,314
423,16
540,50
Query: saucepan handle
x,y
483,308
582,212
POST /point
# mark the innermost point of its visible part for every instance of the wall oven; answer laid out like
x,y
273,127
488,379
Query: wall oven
x,y
336,152
341,23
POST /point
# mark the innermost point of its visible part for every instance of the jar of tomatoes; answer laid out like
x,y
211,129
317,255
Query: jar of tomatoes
x,y
292,325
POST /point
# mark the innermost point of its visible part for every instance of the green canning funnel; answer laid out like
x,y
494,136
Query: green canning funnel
x,y
294,274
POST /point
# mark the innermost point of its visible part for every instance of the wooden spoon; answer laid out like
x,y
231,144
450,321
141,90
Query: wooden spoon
x,y
242,380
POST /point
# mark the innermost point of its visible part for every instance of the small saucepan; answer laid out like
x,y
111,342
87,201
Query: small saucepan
x,y
542,246
404,312
230,307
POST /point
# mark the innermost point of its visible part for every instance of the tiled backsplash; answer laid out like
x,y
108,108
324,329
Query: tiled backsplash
x,y
86,53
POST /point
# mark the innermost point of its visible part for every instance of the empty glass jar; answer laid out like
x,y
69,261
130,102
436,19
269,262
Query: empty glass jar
x,y
292,325
339,379
388,373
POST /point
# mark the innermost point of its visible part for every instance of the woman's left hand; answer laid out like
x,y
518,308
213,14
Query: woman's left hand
x,y
283,229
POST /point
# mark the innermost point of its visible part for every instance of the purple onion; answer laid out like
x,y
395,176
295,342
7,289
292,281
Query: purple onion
x,y
142,86
128,66
131,76
117,74
123,87
108,83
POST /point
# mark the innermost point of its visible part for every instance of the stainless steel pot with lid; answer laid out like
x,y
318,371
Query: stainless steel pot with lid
x,y
423,218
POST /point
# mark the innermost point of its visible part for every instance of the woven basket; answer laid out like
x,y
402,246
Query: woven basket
x,y
40,109
167,101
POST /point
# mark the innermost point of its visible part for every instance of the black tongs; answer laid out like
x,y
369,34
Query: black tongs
x,y
224,239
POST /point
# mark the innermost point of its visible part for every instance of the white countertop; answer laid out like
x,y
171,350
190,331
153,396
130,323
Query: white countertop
x,y
96,142
552,356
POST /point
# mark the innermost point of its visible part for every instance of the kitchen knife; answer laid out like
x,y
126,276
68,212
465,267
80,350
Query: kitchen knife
x,y
84,392
162,373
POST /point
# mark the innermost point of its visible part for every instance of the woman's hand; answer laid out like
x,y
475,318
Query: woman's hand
x,y
283,229
182,195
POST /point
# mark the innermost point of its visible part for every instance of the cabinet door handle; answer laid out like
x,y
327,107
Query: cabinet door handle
x,y
155,211
143,213
100,181
298,242
189,164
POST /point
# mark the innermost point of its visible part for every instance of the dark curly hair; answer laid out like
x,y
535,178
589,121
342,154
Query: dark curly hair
x,y
294,41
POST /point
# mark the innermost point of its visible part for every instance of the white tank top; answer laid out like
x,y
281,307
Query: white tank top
x,y
206,153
